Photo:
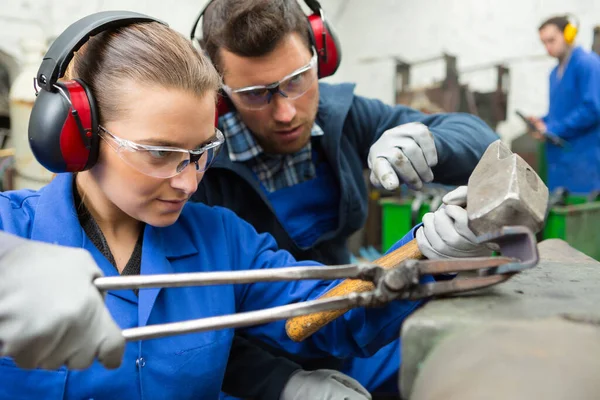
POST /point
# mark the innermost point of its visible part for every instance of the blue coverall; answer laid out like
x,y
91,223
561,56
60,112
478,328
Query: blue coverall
x,y
574,115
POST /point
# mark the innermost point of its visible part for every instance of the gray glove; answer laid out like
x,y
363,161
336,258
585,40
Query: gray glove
x,y
51,314
445,233
404,154
323,384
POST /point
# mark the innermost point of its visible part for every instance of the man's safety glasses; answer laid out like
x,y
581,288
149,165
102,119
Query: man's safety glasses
x,y
163,161
291,86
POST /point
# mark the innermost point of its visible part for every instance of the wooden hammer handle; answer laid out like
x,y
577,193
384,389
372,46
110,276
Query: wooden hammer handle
x,y
299,328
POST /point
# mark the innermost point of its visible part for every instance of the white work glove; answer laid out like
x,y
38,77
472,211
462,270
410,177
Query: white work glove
x,y
51,314
323,384
445,233
404,154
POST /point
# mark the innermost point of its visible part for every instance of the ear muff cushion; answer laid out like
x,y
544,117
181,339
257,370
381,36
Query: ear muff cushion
x,y
570,32
54,136
334,50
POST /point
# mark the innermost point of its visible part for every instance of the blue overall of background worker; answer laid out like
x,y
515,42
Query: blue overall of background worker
x,y
296,148
574,112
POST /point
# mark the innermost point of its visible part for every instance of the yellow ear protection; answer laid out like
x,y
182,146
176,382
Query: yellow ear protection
x,y
570,31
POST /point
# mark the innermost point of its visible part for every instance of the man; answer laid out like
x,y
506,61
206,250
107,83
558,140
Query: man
x,y
296,148
574,112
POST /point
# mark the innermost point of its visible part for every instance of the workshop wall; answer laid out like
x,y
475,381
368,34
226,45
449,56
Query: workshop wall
x,y
476,31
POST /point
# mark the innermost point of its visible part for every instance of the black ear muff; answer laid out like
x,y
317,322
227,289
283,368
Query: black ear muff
x,y
63,125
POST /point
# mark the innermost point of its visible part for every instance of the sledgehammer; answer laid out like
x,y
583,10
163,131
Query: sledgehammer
x,y
502,190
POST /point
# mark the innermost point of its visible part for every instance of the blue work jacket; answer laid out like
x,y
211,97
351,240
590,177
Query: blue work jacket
x,y
574,115
186,366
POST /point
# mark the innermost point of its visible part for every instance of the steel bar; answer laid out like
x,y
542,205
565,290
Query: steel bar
x,y
445,266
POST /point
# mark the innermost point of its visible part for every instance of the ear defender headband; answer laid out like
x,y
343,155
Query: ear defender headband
x,y
63,126
571,29
321,36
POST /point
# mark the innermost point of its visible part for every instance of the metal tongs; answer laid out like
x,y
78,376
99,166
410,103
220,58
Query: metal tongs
x,y
517,245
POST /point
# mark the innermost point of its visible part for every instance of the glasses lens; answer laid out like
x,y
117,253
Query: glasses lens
x,y
298,84
157,163
292,87
211,155
253,99
201,161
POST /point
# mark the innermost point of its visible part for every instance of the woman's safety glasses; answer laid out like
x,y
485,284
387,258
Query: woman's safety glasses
x,y
163,161
292,86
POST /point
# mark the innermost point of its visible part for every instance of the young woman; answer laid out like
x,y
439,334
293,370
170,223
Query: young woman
x,y
156,101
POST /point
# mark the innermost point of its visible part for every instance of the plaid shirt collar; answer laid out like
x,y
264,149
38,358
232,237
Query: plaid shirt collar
x,y
276,171
241,143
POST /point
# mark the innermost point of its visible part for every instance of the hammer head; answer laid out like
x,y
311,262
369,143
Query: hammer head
x,y
504,190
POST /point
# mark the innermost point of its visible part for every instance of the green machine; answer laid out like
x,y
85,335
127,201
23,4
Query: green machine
x,y
576,220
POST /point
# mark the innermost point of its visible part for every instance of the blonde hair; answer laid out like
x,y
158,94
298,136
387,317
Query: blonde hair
x,y
147,53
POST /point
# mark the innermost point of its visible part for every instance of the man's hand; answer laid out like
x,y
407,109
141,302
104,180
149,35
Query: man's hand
x,y
323,384
445,233
51,314
404,154
540,126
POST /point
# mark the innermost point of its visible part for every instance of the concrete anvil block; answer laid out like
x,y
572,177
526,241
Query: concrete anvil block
x,y
564,285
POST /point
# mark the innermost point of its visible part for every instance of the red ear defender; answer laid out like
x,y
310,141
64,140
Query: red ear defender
x,y
326,44
63,128
223,107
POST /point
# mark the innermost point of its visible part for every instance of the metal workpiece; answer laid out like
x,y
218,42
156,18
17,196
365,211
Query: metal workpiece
x,y
400,283
563,285
502,188
517,242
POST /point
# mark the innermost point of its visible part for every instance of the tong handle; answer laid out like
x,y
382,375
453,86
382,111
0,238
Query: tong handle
x,y
299,328
232,277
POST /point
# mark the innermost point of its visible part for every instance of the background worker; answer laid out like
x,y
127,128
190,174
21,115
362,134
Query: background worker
x,y
574,111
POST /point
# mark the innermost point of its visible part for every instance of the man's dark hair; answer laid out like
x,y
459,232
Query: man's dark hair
x,y
250,28
560,22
